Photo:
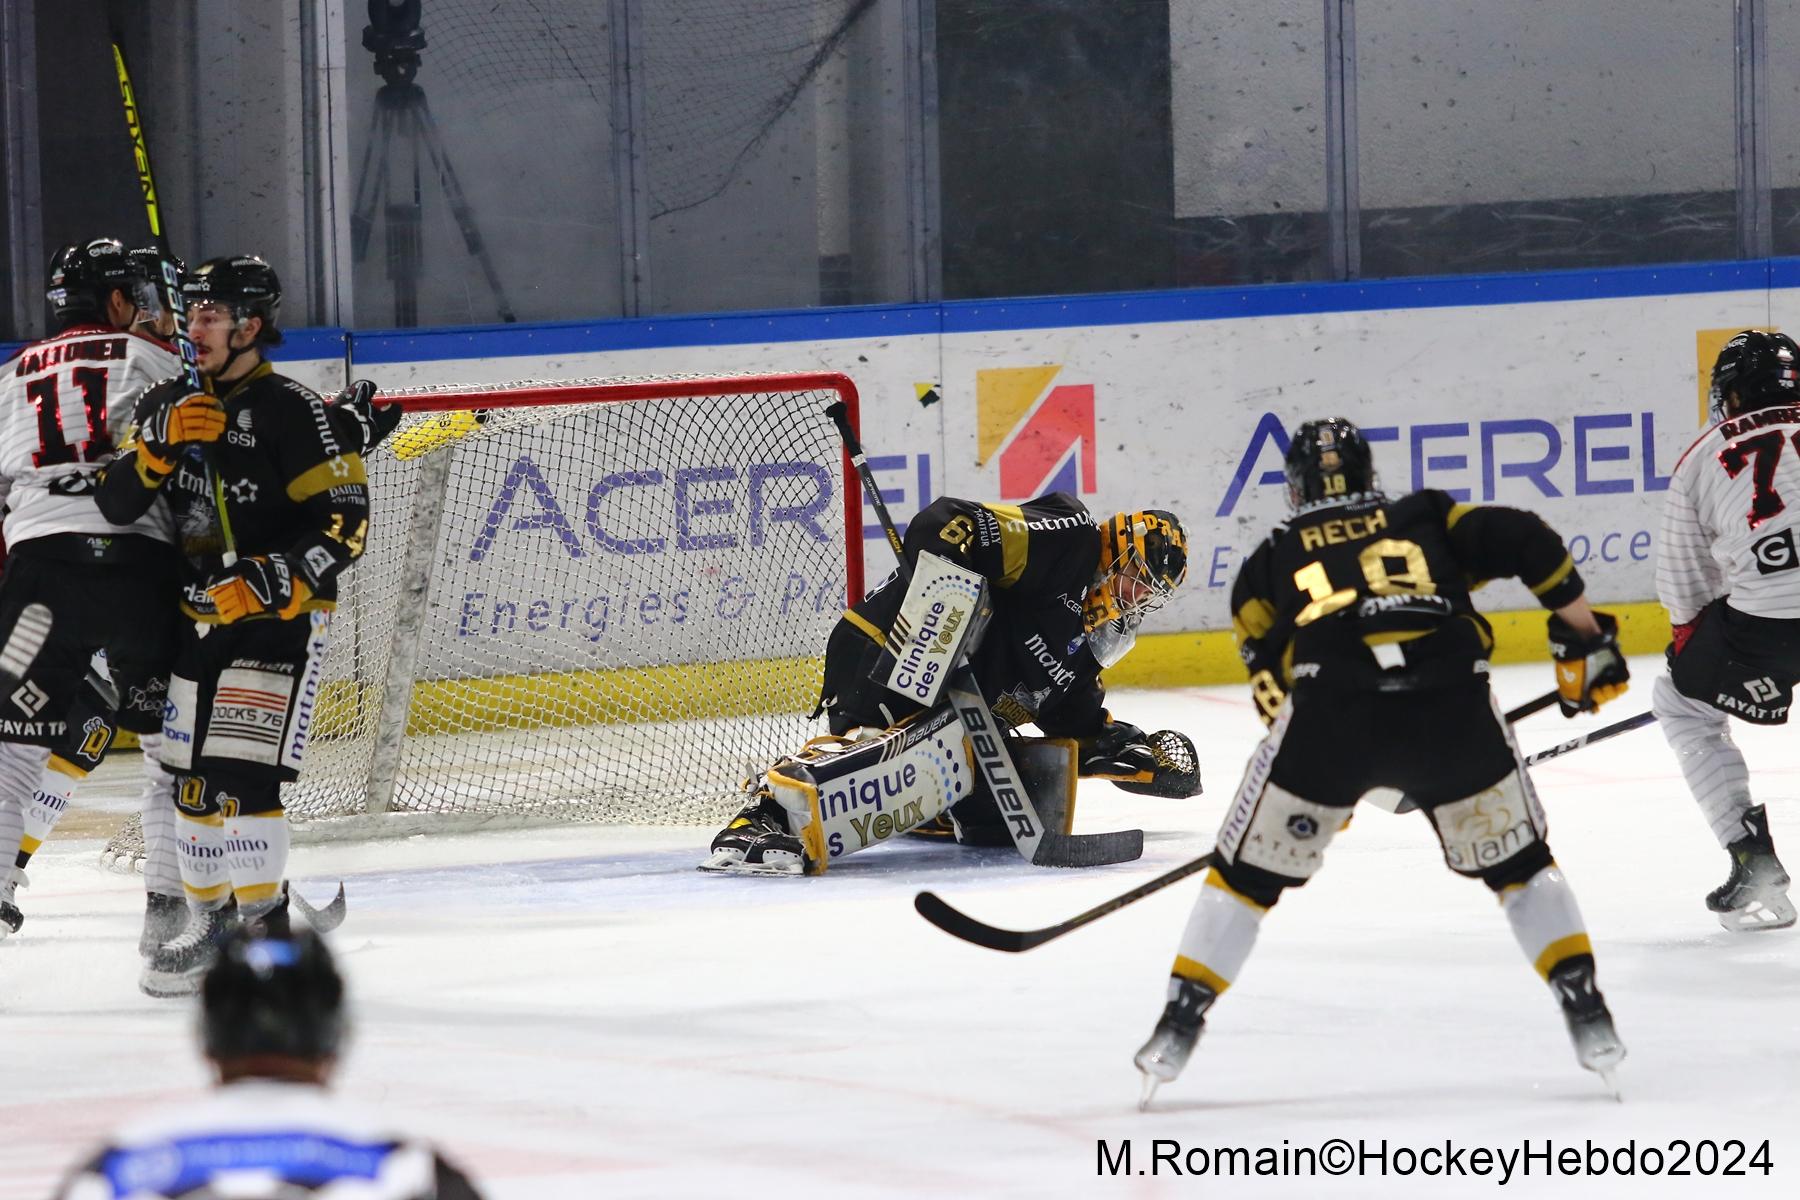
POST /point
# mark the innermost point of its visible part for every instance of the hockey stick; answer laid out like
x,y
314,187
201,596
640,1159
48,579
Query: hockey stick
x,y
1015,941
171,286
1038,845
326,919
959,924
1536,704
1588,739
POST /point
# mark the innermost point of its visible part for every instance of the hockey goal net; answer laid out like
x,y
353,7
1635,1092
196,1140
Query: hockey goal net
x,y
592,600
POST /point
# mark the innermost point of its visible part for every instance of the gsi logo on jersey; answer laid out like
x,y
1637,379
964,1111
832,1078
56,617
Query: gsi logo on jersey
x,y
633,512
1043,435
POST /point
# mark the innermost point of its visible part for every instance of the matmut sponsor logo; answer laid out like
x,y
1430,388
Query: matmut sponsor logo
x,y
652,511
1043,435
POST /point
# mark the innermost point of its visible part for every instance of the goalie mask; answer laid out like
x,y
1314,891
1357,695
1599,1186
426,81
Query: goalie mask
x,y
1328,460
1143,559
1755,369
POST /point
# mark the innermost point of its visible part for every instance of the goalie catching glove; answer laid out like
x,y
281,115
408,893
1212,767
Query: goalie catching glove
x,y
1154,764
178,416
1589,670
262,584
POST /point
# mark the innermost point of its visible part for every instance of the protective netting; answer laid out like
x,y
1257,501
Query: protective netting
x,y
627,603
715,78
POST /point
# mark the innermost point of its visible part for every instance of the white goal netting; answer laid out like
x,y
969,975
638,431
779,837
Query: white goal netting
x,y
587,600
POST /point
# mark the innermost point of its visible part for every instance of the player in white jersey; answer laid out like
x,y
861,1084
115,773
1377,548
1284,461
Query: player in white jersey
x,y
1728,571
65,403
272,1020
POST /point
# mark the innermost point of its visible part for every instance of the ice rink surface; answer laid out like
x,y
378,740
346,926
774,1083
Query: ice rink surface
x,y
579,1013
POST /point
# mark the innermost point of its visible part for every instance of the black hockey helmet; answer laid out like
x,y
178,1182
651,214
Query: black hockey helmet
x,y
83,276
272,997
245,284
1328,460
1755,369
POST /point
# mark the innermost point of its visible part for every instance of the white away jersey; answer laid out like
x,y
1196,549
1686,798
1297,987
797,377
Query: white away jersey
x,y
1732,518
65,404
258,1139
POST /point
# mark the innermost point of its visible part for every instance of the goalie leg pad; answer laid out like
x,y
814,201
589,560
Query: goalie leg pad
x,y
1048,770
841,797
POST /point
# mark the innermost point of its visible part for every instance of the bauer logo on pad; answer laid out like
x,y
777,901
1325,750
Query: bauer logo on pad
x,y
943,604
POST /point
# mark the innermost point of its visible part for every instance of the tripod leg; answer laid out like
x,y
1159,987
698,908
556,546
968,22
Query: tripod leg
x,y
370,182
459,205
406,221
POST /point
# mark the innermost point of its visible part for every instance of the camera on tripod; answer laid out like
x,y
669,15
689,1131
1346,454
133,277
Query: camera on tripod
x,y
394,37
403,140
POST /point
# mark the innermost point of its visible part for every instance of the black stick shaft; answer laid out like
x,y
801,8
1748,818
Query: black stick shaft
x,y
1535,705
1588,739
840,416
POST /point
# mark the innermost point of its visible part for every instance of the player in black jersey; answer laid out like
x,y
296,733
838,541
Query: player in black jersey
x,y
272,1024
271,504
1068,595
1368,662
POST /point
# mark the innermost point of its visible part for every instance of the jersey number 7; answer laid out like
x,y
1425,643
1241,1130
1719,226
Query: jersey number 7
x,y
53,448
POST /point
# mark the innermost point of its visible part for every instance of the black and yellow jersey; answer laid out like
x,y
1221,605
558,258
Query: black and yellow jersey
x,y
289,475
1373,592
1033,664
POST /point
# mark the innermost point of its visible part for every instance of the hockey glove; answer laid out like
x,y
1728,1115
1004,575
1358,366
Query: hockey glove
x,y
178,416
1120,751
1589,671
356,405
263,584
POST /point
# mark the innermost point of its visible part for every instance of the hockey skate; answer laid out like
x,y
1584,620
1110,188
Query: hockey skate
x,y
176,968
164,917
1754,897
1162,1058
757,842
11,880
1597,1045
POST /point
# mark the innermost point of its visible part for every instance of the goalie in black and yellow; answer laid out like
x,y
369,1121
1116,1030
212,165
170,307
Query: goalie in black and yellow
x,y
1066,596
1368,662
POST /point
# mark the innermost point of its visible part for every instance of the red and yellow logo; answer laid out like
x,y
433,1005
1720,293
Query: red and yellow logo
x,y
1042,435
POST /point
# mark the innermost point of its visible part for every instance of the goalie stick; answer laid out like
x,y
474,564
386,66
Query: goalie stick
x,y
959,924
1040,846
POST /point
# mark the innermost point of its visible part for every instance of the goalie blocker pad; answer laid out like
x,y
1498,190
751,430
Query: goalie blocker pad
x,y
842,796
940,618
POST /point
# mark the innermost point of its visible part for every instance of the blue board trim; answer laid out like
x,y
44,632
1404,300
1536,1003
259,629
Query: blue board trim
x,y
1038,312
